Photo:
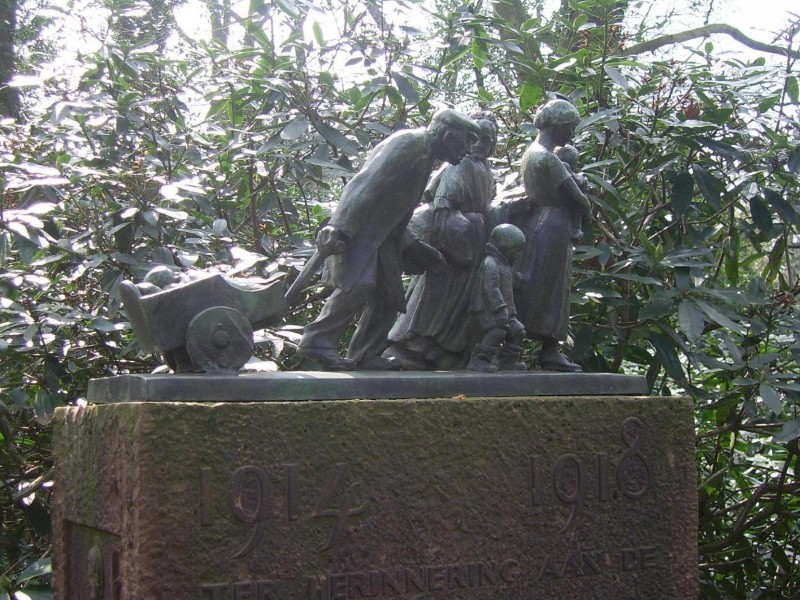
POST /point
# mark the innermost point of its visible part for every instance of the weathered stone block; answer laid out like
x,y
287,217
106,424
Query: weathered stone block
x,y
451,499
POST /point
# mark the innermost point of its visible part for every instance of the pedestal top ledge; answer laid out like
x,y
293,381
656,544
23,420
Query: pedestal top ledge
x,y
318,385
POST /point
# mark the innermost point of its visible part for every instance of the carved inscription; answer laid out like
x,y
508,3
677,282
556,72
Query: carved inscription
x,y
251,501
257,496
242,590
597,562
445,580
568,482
568,475
392,583
343,511
633,473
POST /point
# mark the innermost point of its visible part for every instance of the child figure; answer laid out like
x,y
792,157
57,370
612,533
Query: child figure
x,y
493,304
569,156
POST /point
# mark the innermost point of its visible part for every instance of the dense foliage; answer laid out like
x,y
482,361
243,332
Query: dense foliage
x,y
158,146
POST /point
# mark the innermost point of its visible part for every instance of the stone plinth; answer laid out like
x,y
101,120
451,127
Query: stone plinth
x,y
456,498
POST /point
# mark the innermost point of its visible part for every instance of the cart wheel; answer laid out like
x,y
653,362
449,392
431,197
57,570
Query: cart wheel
x,y
219,339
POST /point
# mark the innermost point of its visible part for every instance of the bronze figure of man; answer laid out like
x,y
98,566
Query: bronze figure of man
x,y
368,241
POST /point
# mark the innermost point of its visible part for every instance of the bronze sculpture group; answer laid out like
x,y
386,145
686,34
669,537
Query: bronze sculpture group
x,y
474,295
471,300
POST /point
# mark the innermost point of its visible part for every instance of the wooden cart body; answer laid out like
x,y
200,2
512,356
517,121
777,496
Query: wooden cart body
x,y
181,316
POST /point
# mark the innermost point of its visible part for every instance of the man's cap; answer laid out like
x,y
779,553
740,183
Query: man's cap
x,y
454,118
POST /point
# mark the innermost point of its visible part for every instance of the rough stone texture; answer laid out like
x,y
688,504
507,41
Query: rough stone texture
x,y
437,499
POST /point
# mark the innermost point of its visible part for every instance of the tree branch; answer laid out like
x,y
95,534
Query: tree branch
x,y
515,13
702,32
742,523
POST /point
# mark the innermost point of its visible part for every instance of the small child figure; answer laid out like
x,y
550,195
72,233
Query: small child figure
x,y
493,304
569,156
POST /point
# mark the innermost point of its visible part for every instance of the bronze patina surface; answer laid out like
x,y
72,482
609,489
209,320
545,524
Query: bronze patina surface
x,y
318,385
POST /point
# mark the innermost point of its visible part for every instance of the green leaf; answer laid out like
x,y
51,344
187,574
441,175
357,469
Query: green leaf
x,y
405,87
793,89
637,278
687,257
768,103
692,124
318,35
616,76
605,115
657,308
722,148
762,218
26,184
44,405
771,398
596,291
712,363
717,317
335,137
455,56
668,356
762,360
294,129
180,215
789,387
485,95
34,594
794,161
708,186
272,143
732,268
682,191
786,211
259,35
479,56
691,320
775,260
790,431
326,78
605,184
290,8
216,107
394,97
530,24
530,94
36,569
219,226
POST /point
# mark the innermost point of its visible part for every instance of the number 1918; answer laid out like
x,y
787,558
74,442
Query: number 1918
x,y
570,481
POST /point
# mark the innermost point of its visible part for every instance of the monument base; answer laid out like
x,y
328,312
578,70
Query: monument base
x,y
515,498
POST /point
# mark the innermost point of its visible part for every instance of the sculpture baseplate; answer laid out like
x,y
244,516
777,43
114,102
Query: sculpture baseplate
x,y
324,385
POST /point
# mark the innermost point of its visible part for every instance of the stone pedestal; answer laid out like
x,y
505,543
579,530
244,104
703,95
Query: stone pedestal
x,y
451,498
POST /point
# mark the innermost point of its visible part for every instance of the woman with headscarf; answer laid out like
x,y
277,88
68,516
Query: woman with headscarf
x,y
554,199
435,331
